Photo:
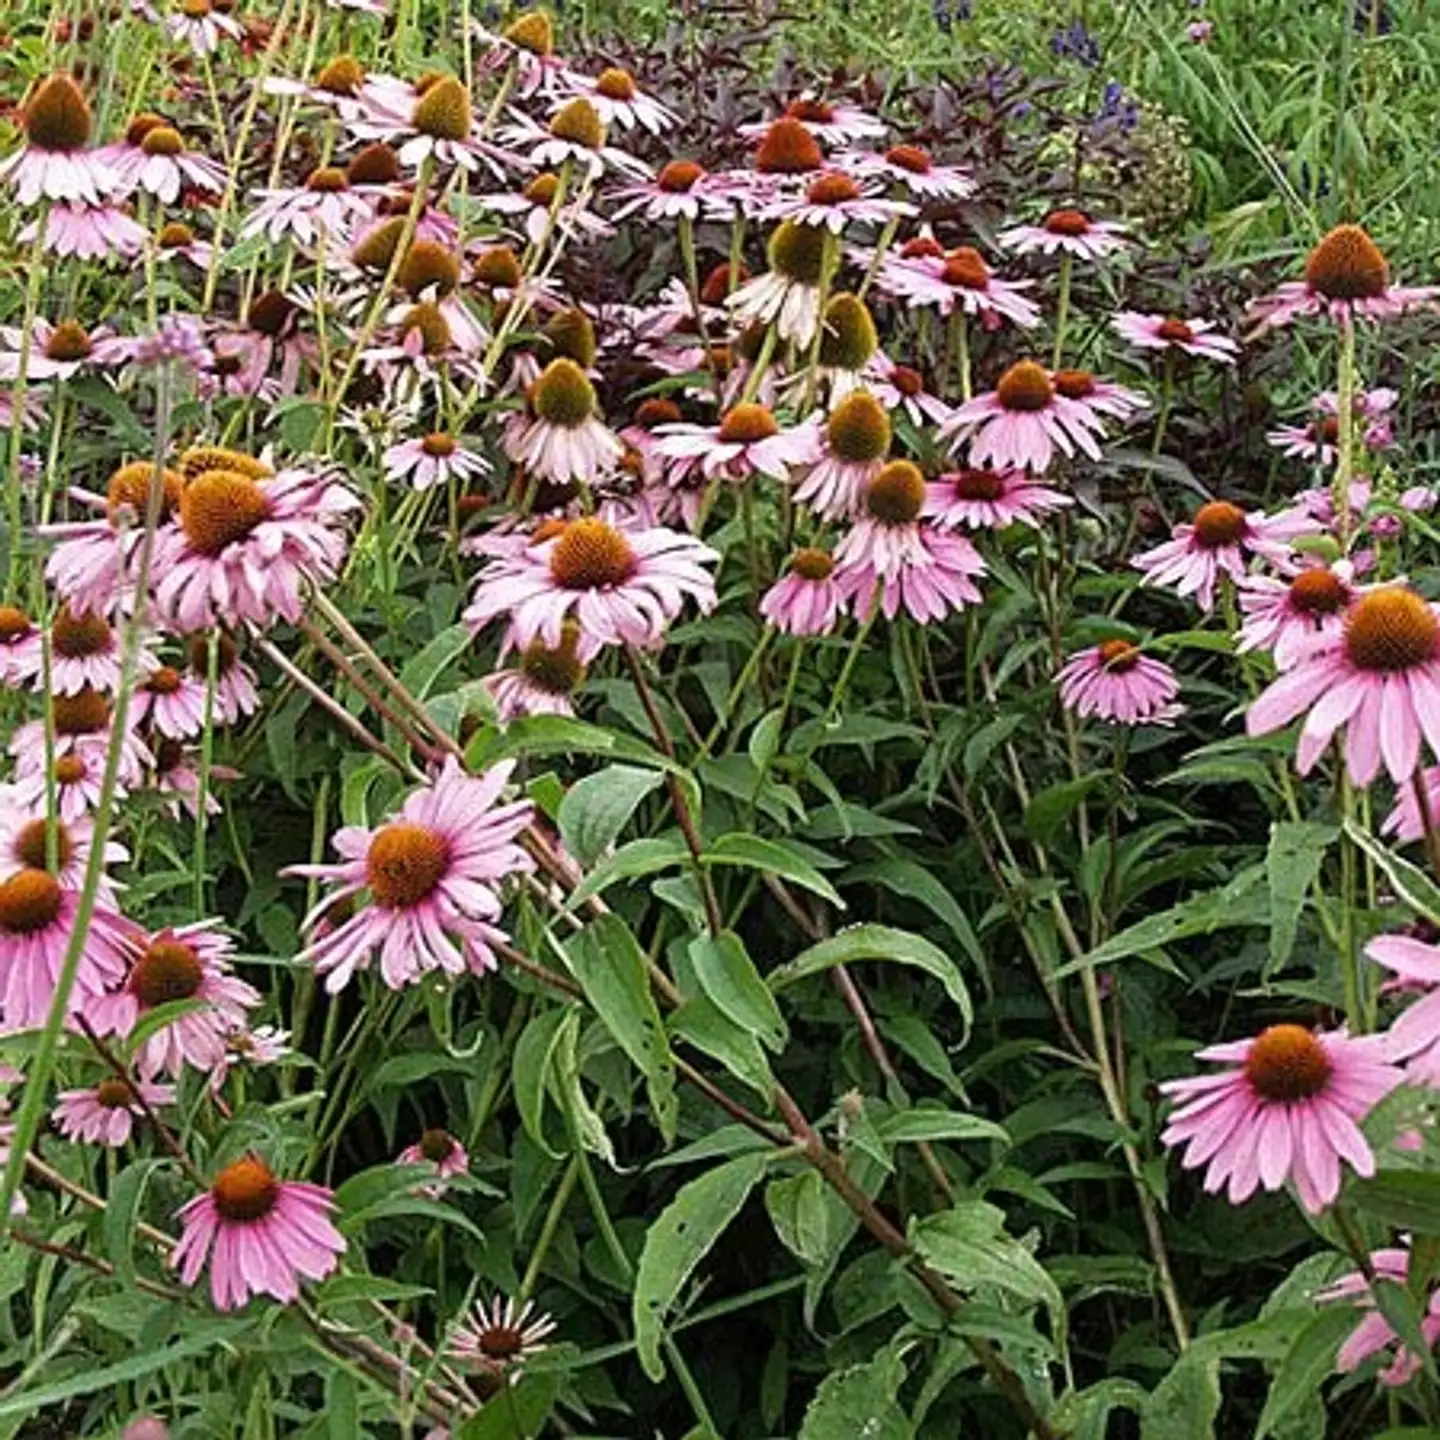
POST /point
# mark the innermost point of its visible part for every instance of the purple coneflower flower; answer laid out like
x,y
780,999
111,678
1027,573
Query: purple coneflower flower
x,y
1114,681
1067,232
106,1113
805,600
990,500
1168,334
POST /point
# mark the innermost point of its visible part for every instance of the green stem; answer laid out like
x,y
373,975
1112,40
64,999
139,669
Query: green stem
x,y
32,1107
13,512
1062,310
1345,408
742,682
561,1198
207,749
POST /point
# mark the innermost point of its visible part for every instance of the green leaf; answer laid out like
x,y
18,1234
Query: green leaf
x,y
877,942
530,1070
122,1206
728,976
702,1023
968,1245
596,809
523,1415
1411,884
201,1334
158,1018
764,741
917,1125
1047,812
423,669
1310,1359
342,1405
126,431
912,881
800,1210
772,857
1405,1199
677,1242
1183,1406
1242,902
639,857
1296,852
610,965
860,1401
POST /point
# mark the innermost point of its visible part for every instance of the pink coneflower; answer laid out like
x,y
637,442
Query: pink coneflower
x,y
235,694
324,205
544,680
262,1045
1218,541
1104,397
682,188
20,646
1285,614
57,352
1169,334
77,779
433,459
528,45
245,351
437,123
177,775
37,918
190,962
747,441
242,548
618,100
266,1235
532,206
1414,1037
901,387
625,587
432,874
990,500
199,25
1378,680
106,1114
1347,278
161,166
172,701
1321,438
1288,1111
55,164
84,653
1067,232
25,845
1114,681
805,600
833,124
501,1335
177,241
787,295
82,723
1374,1333
565,441
853,444
832,200
438,1149
88,232
340,83
1023,421
890,554
914,168
1406,821
959,279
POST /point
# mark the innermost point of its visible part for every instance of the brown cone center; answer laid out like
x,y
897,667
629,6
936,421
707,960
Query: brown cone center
x,y
746,424
591,555
31,847
1218,524
405,863
974,484
245,1191
1391,630
966,269
29,901
895,496
168,970
1347,265
1118,656
811,563
220,508
1067,222
1319,592
76,637
1287,1063
1026,387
